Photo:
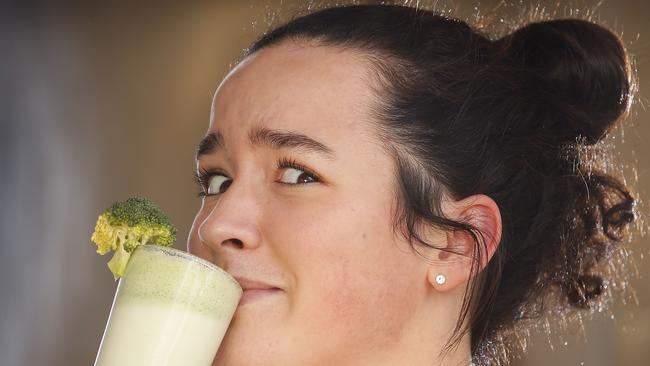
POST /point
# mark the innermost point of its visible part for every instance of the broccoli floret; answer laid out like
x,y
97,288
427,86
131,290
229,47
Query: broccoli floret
x,y
125,225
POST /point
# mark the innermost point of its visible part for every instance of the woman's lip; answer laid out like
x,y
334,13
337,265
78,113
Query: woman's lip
x,y
249,284
252,295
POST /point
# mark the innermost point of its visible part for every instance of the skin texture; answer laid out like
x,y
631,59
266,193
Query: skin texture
x,y
353,293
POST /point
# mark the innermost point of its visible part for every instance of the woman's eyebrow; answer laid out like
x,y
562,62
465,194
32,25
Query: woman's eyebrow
x,y
274,139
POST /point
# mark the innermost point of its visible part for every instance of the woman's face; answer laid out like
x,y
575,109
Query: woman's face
x,y
349,287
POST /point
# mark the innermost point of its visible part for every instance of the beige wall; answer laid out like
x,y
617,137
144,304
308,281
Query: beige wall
x,y
102,102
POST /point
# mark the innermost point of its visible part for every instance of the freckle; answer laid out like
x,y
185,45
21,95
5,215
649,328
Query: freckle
x,y
363,235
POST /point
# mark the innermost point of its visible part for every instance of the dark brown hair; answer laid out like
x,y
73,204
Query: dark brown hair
x,y
518,118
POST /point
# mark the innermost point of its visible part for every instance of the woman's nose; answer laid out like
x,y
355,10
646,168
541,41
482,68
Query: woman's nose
x,y
232,222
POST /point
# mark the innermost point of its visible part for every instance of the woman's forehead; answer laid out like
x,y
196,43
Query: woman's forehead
x,y
291,87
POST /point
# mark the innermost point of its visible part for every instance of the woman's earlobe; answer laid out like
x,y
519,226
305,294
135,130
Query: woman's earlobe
x,y
449,270
444,279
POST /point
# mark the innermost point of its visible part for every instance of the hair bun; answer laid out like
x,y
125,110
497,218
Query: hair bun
x,y
578,67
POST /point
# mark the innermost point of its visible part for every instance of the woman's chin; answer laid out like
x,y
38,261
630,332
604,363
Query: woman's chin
x,y
243,347
252,337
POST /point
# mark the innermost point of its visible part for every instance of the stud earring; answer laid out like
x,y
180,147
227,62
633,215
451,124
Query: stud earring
x,y
440,279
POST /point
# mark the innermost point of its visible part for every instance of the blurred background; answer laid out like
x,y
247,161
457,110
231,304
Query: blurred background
x,y
102,101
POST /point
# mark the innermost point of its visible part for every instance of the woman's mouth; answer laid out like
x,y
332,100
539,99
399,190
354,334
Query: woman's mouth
x,y
255,290
253,295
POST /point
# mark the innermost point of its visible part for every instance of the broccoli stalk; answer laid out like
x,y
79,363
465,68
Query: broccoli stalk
x,y
126,225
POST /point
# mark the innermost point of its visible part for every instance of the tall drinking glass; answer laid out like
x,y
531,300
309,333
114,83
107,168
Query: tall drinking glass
x,y
170,308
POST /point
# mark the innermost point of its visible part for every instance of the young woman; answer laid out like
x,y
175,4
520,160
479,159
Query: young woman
x,y
392,187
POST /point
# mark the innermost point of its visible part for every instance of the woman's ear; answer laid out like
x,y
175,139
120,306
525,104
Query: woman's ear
x,y
480,212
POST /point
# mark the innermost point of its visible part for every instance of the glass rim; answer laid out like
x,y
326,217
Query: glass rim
x,y
189,256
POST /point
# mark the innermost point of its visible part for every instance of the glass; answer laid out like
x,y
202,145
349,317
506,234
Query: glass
x,y
170,308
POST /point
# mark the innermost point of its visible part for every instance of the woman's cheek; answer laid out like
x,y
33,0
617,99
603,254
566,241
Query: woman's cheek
x,y
338,271
329,306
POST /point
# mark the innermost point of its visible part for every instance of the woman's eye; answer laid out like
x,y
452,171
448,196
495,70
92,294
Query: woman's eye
x,y
216,184
295,173
297,176
292,173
